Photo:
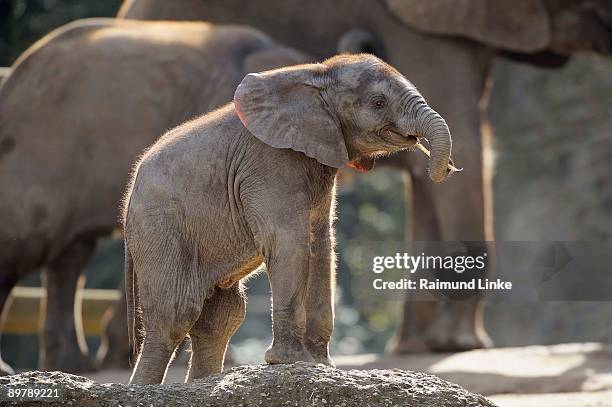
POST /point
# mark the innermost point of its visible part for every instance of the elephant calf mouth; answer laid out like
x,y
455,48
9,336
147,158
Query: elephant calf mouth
x,y
417,145
362,164
425,151
406,137
365,163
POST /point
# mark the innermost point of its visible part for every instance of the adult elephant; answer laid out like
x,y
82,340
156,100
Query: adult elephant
x,y
75,112
446,48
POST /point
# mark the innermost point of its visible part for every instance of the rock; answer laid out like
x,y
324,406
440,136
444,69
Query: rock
x,y
300,384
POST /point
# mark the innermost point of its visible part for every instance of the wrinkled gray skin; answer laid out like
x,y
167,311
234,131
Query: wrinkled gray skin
x,y
253,183
77,110
446,48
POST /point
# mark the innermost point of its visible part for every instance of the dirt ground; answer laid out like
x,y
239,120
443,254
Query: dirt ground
x,y
568,375
594,399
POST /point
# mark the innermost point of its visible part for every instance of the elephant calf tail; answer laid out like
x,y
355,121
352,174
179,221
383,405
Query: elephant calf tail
x,y
134,322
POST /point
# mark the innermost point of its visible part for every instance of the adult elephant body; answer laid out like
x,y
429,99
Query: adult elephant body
x,y
75,113
445,47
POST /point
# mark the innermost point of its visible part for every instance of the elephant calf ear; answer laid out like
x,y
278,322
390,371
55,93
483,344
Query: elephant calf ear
x,y
516,25
284,109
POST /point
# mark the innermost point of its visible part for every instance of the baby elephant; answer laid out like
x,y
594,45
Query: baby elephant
x,y
253,183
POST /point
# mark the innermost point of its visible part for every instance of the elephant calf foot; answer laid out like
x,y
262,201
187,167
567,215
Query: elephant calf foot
x,y
320,353
289,351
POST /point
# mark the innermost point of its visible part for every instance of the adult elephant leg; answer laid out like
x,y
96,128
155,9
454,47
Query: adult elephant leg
x,y
411,335
114,351
458,327
63,344
8,280
451,212
453,79
460,209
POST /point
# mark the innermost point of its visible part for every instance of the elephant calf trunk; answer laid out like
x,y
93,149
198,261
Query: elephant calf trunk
x,y
435,129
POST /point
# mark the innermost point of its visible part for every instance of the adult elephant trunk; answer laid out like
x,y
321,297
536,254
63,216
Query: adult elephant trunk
x,y
433,127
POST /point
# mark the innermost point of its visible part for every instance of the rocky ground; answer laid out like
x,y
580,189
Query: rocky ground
x,y
301,384
569,375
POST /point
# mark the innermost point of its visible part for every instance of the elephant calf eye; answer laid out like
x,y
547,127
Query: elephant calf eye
x,y
379,102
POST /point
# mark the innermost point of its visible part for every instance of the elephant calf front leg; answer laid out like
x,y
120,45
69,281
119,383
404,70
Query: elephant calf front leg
x,y
287,270
320,289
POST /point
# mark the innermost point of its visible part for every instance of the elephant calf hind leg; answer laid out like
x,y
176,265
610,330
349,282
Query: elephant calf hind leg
x,y
168,313
156,353
222,315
